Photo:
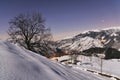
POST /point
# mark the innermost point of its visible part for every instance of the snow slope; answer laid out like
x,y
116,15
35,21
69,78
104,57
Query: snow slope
x,y
17,63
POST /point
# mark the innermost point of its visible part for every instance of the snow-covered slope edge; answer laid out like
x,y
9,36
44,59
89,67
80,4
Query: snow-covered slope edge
x,y
20,64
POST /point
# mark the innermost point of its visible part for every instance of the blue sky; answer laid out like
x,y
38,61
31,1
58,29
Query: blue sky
x,y
64,17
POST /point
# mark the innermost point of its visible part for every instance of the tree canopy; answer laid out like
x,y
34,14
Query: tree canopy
x,y
29,31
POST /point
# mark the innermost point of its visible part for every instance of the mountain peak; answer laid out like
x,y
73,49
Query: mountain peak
x,y
98,30
108,28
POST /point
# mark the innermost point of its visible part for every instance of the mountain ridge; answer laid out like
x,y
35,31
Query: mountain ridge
x,y
107,37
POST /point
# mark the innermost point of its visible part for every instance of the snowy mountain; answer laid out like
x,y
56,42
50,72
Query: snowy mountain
x,y
109,37
17,63
82,44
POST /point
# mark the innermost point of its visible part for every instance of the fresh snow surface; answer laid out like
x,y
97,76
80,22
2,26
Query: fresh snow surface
x,y
111,66
16,63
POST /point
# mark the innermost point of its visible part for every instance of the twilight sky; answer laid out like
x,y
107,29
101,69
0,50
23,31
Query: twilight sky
x,y
64,17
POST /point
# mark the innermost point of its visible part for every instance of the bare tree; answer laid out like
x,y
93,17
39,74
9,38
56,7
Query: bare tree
x,y
29,31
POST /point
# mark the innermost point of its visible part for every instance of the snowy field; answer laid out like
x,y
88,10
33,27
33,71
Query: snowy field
x,y
111,67
16,63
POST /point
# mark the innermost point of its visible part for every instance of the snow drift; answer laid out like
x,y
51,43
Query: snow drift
x,y
17,63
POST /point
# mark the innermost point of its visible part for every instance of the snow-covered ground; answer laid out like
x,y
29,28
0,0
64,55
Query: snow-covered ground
x,y
111,67
16,63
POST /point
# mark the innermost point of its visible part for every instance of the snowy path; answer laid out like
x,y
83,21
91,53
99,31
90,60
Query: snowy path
x,y
19,64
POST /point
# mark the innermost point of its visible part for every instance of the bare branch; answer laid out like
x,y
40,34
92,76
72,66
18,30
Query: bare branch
x,y
29,31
